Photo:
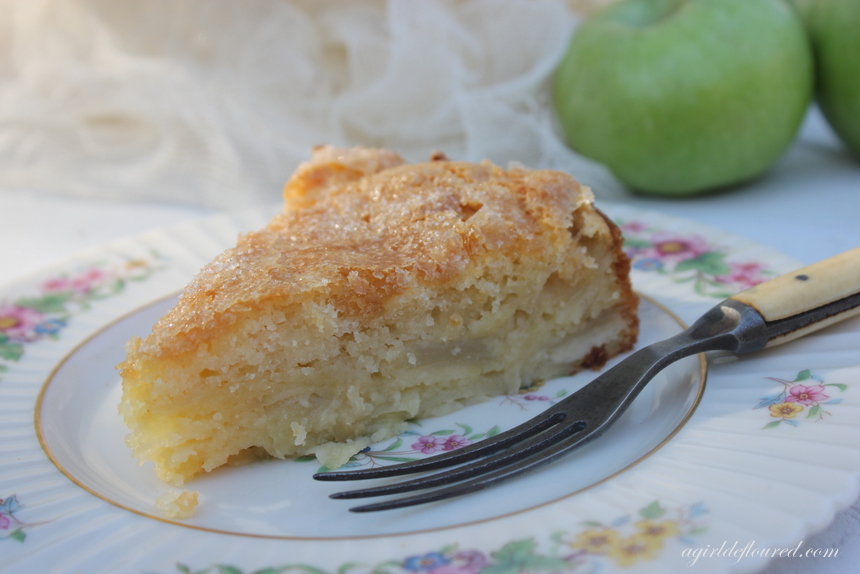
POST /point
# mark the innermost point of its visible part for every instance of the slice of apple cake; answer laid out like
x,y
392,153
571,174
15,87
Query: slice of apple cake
x,y
382,292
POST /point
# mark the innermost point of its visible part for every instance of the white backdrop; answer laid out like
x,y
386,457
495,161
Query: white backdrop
x,y
214,102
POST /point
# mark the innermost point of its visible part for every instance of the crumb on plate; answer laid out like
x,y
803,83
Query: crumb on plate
x,y
176,504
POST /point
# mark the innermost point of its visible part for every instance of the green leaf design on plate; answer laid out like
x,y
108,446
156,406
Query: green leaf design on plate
x,y
591,524
652,511
11,351
709,263
394,446
48,303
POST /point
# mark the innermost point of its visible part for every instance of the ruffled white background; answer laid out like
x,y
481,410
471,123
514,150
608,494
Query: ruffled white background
x,y
214,102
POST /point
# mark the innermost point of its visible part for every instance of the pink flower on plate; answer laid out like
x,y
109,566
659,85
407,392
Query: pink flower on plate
x,y
4,522
19,323
634,227
90,279
82,283
429,444
745,275
455,441
806,396
669,248
57,285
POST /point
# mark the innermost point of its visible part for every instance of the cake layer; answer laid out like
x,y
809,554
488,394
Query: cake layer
x,y
381,293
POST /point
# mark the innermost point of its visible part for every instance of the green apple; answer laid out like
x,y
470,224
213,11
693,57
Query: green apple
x,y
834,27
803,7
684,96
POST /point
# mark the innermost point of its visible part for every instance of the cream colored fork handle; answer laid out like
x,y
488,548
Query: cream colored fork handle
x,y
807,289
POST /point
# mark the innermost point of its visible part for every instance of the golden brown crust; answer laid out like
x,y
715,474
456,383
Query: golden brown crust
x,y
362,250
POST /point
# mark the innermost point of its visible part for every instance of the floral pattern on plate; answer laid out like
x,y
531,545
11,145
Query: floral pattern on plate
x,y
806,393
412,445
625,542
11,527
28,320
690,258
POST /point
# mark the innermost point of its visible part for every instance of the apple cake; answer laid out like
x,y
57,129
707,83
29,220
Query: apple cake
x,y
383,291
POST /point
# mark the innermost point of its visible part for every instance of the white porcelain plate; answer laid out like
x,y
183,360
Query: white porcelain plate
x,y
769,454
83,433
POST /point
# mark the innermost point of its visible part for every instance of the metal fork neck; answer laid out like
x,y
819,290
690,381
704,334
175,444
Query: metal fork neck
x,y
739,328
730,326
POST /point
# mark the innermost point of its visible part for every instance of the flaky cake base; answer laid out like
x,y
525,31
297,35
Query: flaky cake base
x,y
384,292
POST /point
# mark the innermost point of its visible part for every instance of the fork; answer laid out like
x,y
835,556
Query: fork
x,y
766,315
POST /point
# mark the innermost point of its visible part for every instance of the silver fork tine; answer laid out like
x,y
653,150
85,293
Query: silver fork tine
x,y
482,481
524,449
543,421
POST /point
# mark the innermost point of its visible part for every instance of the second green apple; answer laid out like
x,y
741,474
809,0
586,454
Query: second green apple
x,y
834,28
684,96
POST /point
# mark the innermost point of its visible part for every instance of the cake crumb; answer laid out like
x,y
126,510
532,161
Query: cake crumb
x,y
333,455
300,432
175,504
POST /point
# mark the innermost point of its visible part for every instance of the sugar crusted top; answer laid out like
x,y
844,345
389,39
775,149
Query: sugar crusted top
x,y
359,226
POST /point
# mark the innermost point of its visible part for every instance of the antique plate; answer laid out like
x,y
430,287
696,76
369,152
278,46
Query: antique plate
x,y
737,473
82,433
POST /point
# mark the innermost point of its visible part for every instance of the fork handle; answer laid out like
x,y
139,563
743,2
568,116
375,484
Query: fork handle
x,y
815,287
